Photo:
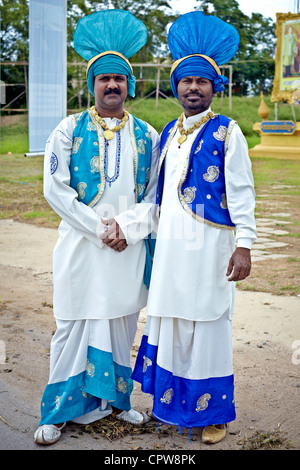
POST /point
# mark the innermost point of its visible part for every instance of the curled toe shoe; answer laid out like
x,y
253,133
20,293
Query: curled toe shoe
x,y
47,434
133,417
212,434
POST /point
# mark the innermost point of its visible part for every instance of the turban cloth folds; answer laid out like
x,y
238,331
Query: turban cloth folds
x,y
107,39
199,44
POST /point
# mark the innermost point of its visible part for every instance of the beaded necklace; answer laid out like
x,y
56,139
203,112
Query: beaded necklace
x,y
183,133
109,133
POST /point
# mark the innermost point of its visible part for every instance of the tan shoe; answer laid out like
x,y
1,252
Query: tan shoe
x,y
212,434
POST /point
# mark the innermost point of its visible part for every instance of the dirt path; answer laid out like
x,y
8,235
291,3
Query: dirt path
x,y
266,338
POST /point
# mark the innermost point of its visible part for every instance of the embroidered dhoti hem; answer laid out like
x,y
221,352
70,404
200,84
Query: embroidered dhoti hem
x,y
90,370
187,367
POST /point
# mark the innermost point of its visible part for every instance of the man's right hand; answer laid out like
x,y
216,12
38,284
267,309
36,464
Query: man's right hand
x,y
113,237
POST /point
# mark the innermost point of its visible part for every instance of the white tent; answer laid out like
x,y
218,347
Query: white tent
x,y
47,70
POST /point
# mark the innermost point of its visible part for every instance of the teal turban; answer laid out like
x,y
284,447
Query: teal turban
x,y
107,39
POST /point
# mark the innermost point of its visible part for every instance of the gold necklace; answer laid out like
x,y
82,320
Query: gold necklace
x,y
184,132
109,133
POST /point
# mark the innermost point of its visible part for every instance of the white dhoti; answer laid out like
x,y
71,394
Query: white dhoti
x,y
187,367
96,289
90,370
185,358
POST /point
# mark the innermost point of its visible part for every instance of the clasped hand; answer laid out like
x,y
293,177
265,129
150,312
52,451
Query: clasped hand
x,y
113,237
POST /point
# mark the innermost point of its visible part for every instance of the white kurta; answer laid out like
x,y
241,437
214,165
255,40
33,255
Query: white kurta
x,y
92,281
191,258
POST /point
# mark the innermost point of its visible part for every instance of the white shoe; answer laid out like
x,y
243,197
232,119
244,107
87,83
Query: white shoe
x,y
48,434
133,417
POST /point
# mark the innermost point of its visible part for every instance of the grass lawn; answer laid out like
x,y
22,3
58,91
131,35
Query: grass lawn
x,y
14,137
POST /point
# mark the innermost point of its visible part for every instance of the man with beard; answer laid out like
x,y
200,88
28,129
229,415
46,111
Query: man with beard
x,y
205,193
100,177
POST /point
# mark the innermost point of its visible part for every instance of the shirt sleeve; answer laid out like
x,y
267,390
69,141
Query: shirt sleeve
x,y
57,190
240,188
140,220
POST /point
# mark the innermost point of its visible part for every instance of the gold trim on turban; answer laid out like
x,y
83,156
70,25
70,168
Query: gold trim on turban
x,y
93,59
211,61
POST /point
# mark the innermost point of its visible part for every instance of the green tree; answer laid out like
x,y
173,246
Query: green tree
x,y
14,45
155,14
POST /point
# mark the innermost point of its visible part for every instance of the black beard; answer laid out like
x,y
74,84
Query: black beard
x,y
195,107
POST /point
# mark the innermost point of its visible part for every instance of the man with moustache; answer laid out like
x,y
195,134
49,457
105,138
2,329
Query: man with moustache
x,y
205,193
100,177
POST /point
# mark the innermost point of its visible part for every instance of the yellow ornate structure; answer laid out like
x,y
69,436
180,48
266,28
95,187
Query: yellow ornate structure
x,y
281,139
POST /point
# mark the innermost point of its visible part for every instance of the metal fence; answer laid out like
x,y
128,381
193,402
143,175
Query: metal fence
x,y
77,88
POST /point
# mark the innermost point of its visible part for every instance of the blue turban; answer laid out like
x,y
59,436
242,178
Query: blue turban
x,y
199,44
107,39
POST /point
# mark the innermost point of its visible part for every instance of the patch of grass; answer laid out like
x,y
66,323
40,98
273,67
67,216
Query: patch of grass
x,y
243,110
270,172
267,440
21,187
291,289
14,138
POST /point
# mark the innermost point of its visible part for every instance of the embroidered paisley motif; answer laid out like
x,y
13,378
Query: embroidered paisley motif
x,y
76,144
140,189
223,204
212,174
189,194
167,396
141,146
121,385
94,163
198,148
147,363
90,369
80,189
57,402
221,133
202,403
91,126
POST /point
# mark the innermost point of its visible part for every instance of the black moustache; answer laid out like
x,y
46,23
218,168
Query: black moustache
x,y
111,91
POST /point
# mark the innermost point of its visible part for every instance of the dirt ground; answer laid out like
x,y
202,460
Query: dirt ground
x,y
266,340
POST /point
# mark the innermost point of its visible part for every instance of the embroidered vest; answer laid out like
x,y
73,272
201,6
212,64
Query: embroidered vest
x,y
87,166
202,183
87,159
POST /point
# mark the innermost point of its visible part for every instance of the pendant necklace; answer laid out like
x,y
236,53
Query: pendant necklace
x,y
183,133
109,133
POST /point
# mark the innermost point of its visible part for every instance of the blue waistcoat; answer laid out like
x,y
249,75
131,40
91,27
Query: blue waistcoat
x,y
201,189
87,160
87,165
